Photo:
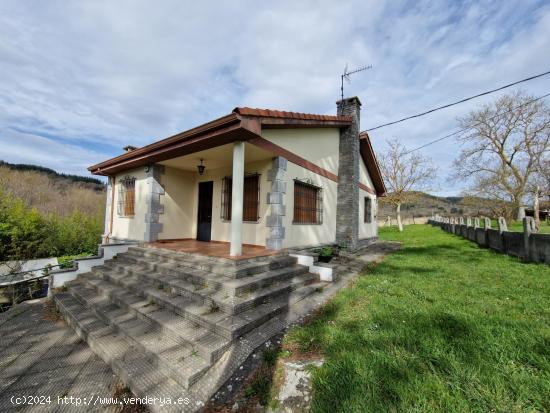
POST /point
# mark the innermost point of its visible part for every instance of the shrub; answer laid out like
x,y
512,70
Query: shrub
x,y
27,234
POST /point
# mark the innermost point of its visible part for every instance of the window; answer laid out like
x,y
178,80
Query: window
x,y
126,196
308,203
367,210
251,198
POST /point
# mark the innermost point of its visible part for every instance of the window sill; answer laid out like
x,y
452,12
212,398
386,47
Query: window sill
x,y
307,223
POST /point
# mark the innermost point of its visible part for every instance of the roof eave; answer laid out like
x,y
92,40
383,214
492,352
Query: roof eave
x,y
369,157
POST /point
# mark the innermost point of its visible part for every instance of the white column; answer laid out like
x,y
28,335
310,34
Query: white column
x,y
237,200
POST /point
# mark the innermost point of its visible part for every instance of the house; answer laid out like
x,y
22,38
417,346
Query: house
x,y
255,177
217,210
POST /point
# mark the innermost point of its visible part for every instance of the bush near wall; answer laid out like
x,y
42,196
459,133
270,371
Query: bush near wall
x,y
26,233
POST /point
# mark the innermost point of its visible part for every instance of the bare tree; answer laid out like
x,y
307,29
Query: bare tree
x,y
404,173
504,145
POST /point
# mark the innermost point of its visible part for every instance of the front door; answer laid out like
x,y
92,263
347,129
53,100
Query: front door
x,y
204,219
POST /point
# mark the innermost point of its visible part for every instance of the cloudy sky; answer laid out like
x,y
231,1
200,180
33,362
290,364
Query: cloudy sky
x,y
81,79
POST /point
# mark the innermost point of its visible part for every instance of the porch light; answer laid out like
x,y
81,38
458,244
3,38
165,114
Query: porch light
x,y
201,168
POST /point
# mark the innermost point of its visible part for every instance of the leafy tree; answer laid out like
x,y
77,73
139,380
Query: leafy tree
x,y
504,145
404,174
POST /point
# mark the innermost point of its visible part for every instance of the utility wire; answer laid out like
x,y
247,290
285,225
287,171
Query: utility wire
x,y
458,101
465,129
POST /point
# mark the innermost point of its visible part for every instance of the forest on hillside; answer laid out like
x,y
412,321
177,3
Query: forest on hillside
x,y
46,214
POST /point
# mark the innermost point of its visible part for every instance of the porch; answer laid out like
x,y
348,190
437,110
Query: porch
x,y
218,249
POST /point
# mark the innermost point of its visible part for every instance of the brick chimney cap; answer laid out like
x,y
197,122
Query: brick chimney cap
x,y
353,99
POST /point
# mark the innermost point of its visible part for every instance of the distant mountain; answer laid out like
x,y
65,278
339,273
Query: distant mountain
x,y
51,192
425,205
51,173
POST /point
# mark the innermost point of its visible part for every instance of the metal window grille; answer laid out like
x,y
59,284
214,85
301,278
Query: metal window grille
x,y
251,198
368,210
308,203
126,196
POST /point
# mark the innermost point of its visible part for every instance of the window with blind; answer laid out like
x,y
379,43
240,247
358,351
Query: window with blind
x,y
308,203
368,210
127,197
251,198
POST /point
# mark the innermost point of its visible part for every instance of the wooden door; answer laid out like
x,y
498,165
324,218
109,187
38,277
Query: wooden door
x,y
204,218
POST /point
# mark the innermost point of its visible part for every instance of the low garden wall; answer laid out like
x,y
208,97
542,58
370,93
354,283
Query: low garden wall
x,y
527,245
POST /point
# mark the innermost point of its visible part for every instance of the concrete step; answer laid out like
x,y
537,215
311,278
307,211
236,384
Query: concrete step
x,y
218,322
226,267
95,292
274,283
199,279
144,378
179,361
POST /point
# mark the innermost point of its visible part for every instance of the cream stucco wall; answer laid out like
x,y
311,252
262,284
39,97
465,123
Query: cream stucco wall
x,y
310,234
367,230
131,228
318,145
179,219
364,176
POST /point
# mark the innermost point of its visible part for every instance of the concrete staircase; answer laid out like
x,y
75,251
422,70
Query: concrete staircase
x,y
163,319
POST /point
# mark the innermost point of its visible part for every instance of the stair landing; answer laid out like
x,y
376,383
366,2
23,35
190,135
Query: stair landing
x,y
212,249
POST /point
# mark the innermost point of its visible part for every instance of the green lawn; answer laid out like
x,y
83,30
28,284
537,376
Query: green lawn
x,y
441,326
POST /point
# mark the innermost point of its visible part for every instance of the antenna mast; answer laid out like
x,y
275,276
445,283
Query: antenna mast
x,y
346,75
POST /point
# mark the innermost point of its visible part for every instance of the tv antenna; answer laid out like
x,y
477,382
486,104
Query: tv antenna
x,y
347,74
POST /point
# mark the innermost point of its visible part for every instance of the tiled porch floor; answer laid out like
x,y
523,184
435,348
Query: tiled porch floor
x,y
212,249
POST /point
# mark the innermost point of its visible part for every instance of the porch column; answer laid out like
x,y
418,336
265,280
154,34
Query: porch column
x,y
237,200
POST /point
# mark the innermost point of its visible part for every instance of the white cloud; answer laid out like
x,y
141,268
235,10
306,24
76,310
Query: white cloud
x,y
92,76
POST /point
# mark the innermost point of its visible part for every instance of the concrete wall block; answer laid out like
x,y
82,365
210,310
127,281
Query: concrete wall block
x,y
274,198
277,233
274,221
278,186
513,244
278,209
151,217
155,187
275,175
274,243
279,163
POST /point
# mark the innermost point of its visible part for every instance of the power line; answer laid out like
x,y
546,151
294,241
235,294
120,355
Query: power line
x,y
458,101
465,129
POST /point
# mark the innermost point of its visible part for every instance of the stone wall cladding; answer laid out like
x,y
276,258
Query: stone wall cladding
x,y
275,199
154,203
347,205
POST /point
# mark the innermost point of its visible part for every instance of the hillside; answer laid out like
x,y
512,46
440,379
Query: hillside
x,y
46,214
52,192
426,205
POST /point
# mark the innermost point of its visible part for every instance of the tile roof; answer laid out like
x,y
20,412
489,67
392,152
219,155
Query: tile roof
x,y
270,113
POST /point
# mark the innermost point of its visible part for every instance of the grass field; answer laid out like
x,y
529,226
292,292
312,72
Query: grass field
x,y
441,326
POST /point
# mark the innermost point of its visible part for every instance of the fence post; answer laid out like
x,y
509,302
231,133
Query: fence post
x,y
502,226
529,228
476,222
468,221
488,223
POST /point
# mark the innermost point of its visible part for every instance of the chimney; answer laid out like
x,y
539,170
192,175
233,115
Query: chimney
x,y
347,204
129,148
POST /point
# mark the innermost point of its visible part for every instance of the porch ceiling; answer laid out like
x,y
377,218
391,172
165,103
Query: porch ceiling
x,y
217,157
